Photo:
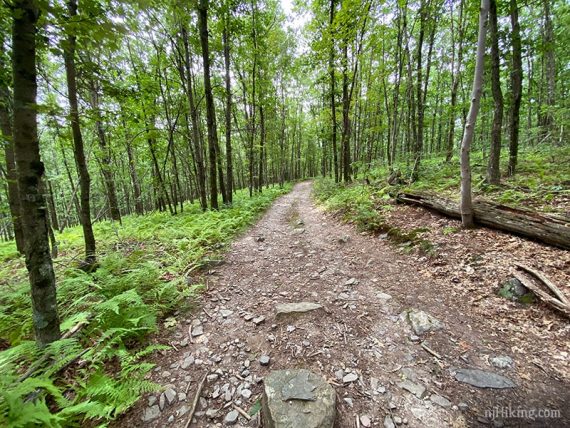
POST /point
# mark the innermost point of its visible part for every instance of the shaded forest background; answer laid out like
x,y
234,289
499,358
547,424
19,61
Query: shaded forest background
x,y
166,128
397,73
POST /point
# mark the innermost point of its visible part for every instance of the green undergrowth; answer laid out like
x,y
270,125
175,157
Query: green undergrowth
x,y
542,182
365,207
542,178
98,373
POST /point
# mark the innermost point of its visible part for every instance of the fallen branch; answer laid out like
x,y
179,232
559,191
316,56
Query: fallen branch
x,y
545,297
242,412
548,228
557,292
70,333
195,401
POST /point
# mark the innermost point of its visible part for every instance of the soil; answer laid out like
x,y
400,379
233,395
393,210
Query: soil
x,y
297,252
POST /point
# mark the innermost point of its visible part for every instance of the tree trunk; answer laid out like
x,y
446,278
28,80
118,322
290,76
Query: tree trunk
x,y
106,165
493,167
79,152
30,172
333,91
516,84
139,207
210,108
418,143
466,205
52,206
345,143
11,175
550,69
456,71
547,228
229,161
198,149
261,145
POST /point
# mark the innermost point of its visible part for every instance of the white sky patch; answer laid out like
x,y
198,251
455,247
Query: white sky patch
x,y
296,19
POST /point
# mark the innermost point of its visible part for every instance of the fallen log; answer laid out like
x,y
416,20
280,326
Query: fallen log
x,y
548,228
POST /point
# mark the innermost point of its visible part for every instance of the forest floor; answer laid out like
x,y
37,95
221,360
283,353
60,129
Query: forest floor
x,y
298,252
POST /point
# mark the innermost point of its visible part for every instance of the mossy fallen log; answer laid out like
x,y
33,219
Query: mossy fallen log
x,y
547,228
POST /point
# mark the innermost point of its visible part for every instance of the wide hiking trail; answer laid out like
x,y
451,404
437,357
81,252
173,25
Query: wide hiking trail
x,y
398,349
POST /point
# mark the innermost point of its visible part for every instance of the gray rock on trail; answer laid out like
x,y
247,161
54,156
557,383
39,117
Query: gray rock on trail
x,y
231,418
502,361
187,362
423,322
440,401
350,377
388,422
225,313
151,413
211,413
182,410
264,360
285,309
297,398
365,421
259,320
415,388
197,330
170,395
483,379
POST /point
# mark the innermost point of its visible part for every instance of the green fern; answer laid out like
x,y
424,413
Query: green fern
x,y
140,280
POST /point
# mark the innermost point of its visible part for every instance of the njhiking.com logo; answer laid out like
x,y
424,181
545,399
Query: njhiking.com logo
x,y
509,412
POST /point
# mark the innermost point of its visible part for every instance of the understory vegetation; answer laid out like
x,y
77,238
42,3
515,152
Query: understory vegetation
x,y
144,275
542,182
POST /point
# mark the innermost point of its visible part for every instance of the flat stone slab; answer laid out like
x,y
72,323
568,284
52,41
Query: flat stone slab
x,y
297,398
285,309
151,413
415,388
423,322
483,379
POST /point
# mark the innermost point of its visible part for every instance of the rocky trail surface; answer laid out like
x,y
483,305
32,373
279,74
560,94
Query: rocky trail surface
x,y
300,290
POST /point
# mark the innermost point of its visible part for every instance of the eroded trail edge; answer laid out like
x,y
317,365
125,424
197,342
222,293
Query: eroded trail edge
x,y
385,369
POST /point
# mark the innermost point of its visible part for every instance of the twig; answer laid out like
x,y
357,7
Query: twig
x,y
557,292
195,401
357,422
332,382
242,412
431,351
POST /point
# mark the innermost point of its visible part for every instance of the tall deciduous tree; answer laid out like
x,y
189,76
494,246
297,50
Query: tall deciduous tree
x,y
210,109
30,172
493,168
466,205
7,143
516,85
228,112
78,146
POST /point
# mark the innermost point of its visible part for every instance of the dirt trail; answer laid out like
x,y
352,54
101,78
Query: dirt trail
x,y
296,253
